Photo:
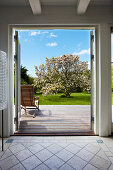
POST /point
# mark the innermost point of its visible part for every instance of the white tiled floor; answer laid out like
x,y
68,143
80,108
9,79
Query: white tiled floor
x,y
62,153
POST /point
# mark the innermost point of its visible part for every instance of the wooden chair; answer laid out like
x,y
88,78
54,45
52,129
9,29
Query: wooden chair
x,y
27,98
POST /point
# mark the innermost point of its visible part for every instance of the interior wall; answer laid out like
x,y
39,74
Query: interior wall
x,y
102,17
105,98
56,15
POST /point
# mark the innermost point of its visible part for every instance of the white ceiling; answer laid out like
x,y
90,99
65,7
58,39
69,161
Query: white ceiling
x,y
43,2
101,2
52,2
58,2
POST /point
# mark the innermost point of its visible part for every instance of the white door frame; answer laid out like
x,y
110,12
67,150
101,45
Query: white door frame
x,y
111,81
11,49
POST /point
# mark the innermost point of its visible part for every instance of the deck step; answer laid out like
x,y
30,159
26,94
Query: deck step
x,y
53,123
52,130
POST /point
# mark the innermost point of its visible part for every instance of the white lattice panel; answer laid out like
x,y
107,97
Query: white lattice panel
x,y
3,80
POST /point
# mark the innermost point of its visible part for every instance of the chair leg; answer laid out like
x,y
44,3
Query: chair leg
x,y
25,111
34,114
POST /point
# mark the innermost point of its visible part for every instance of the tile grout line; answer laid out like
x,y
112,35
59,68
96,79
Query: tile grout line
x,y
74,154
63,148
18,160
107,156
4,153
90,160
68,151
53,154
24,159
83,159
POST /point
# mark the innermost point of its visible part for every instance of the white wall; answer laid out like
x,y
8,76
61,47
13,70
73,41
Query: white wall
x,y
56,15
105,119
99,16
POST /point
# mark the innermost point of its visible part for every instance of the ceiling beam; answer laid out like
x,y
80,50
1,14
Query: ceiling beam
x,y
35,6
82,6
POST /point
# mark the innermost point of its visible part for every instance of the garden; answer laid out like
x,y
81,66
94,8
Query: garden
x,y
63,80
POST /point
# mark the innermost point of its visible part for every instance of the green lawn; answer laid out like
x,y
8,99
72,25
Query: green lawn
x,y
57,99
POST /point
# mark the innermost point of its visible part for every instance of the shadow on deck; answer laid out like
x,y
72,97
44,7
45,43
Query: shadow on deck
x,y
56,119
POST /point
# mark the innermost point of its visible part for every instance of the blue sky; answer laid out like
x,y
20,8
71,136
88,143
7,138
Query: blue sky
x,y
38,44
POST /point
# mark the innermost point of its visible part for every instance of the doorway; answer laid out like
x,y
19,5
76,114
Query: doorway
x,y
54,116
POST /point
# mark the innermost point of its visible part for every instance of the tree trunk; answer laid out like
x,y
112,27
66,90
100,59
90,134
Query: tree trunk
x,y
67,94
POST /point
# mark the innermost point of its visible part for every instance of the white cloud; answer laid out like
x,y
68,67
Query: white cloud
x,y
82,52
44,32
26,40
52,35
34,33
51,44
23,30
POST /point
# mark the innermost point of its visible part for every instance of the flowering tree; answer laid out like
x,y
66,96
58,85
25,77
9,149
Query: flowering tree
x,y
63,74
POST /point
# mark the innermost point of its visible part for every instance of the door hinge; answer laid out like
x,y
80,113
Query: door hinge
x,y
111,29
92,37
15,120
15,37
92,56
92,118
15,57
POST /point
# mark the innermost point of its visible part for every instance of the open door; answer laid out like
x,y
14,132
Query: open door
x,y
17,80
92,67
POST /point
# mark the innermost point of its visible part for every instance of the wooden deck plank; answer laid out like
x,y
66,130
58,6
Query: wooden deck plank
x,y
56,118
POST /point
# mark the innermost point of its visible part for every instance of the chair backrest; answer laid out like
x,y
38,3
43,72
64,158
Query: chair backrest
x,y
27,95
